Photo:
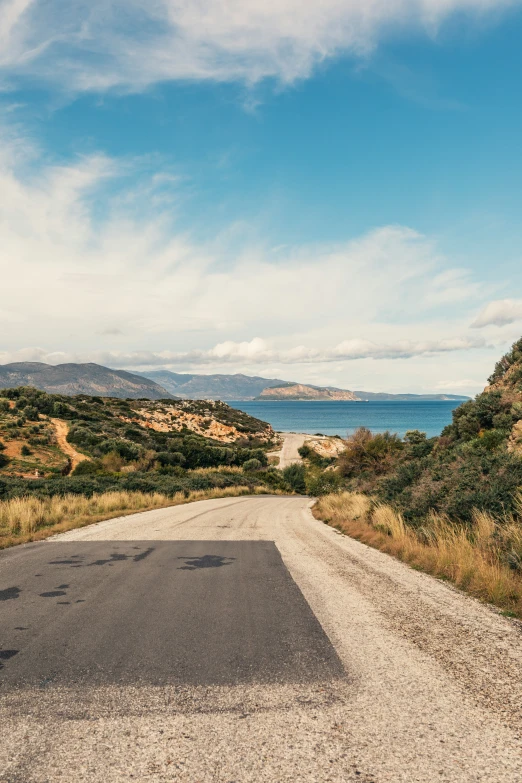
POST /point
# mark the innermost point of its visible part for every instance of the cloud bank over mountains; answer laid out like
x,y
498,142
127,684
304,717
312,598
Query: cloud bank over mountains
x,y
94,268
131,44
257,351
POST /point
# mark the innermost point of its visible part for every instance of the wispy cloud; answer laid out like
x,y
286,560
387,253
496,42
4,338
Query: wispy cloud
x,y
130,45
90,257
499,313
256,351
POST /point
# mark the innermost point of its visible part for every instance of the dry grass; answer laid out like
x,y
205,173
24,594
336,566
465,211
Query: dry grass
x,y
484,559
30,519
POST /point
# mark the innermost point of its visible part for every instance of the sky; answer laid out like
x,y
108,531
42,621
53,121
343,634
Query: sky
x,y
327,192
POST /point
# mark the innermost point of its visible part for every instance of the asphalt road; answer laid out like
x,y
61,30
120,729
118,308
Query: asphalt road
x,y
241,640
158,612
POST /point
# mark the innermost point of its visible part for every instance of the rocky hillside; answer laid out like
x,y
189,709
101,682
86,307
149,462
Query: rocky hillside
x,y
476,463
47,435
70,379
300,391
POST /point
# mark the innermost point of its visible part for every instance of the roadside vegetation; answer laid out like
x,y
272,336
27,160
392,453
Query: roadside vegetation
x,y
52,445
450,505
30,518
69,461
483,557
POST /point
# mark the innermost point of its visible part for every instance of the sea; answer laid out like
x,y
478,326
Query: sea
x,y
343,417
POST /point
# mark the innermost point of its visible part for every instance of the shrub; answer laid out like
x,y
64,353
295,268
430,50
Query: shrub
x,y
87,468
252,464
365,451
25,450
324,483
294,476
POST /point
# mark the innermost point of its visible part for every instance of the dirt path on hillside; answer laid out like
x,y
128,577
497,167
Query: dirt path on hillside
x,y
62,429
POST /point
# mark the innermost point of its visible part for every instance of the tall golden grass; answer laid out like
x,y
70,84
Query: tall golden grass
x,y
485,558
30,519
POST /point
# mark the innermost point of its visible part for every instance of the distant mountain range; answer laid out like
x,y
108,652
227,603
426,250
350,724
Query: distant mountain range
x,y
245,387
93,379
70,379
212,387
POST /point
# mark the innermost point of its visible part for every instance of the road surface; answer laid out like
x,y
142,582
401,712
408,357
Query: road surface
x,y
240,640
289,454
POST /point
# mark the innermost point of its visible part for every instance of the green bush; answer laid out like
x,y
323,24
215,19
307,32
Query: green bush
x,y
87,468
323,483
251,464
294,476
367,452
25,451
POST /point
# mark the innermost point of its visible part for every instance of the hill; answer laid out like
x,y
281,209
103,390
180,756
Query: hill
x,y
94,379
300,391
245,387
383,396
70,379
49,435
476,463
213,387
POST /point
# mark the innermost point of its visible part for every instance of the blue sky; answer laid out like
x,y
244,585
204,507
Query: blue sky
x,y
325,192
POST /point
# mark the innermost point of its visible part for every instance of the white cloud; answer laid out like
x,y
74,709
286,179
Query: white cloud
x,y
134,43
93,268
499,313
257,351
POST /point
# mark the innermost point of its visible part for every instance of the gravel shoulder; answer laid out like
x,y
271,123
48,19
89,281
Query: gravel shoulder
x,y
432,689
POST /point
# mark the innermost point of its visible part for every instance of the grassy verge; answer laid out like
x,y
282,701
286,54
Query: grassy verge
x,y
483,559
32,519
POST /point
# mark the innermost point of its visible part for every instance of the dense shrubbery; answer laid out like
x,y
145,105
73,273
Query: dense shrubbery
x,y
142,482
97,428
514,357
468,467
295,477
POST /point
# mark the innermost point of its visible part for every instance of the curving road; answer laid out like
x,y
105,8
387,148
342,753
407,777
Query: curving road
x,y
241,640
292,442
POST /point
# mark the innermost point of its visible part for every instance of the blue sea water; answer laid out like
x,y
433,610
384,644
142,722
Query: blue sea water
x,y
342,418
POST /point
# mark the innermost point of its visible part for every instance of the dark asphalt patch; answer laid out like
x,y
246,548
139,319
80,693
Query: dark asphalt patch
x,y
207,561
165,612
9,593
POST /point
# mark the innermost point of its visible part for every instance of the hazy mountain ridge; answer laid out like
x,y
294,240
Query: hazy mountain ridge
x,y
94,379
245,387
216,386
71,379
